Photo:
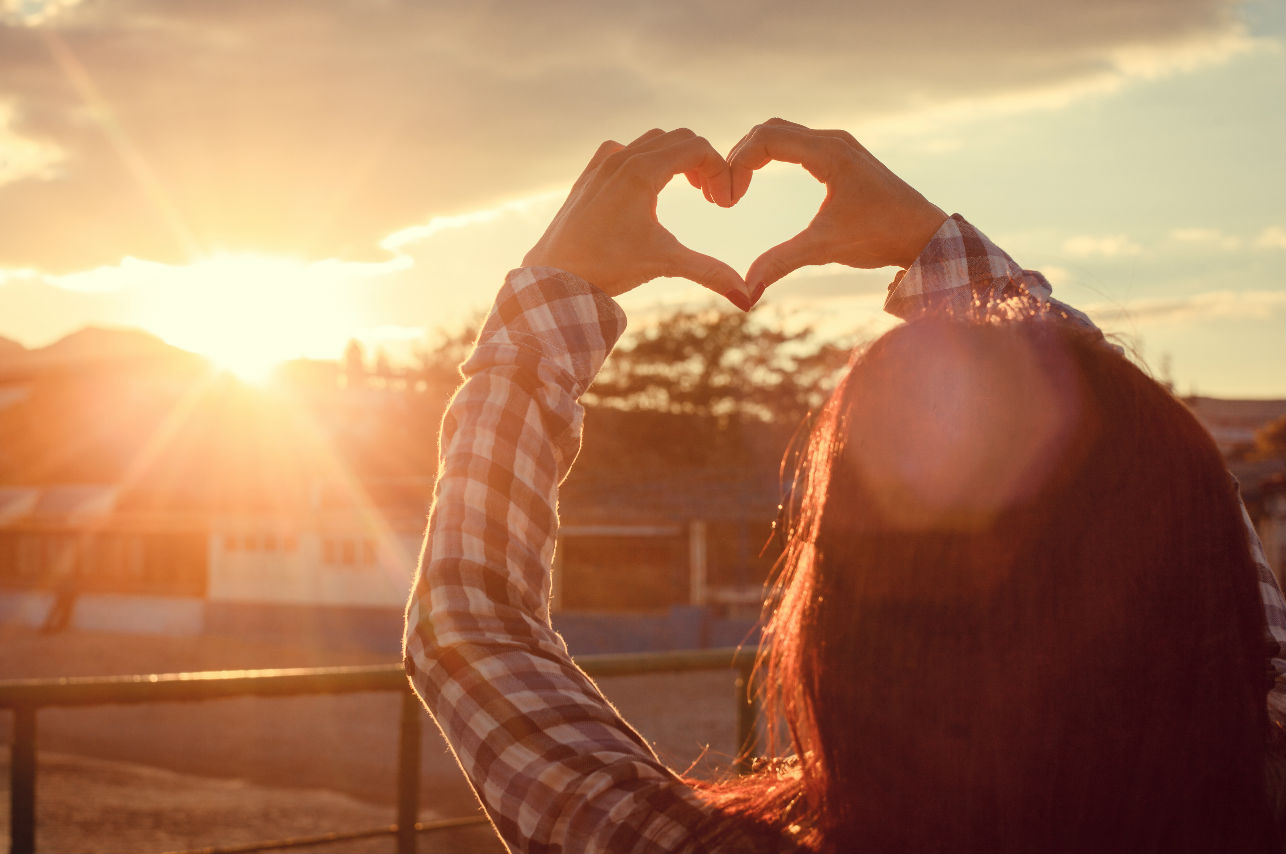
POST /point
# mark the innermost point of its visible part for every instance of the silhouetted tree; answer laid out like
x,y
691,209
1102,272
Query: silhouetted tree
x,y
721,365
1270,439
438,366
383,368
314,375
354,364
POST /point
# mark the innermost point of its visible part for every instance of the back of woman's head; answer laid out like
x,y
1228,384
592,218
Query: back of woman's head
x,y
1018,609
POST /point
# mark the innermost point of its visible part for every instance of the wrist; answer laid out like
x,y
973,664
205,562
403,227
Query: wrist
x,y
918,232
538,257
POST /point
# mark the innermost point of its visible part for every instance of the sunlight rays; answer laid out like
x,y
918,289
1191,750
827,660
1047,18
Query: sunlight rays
x,y
249,313
161,438
131,156
394,564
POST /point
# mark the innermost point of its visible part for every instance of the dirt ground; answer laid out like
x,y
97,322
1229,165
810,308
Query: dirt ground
x,y
97,805
187,775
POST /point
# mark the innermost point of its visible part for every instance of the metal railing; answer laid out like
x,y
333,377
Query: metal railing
x,y
26,697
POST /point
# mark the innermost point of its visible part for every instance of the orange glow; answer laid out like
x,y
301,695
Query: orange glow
x,y
249,313
950,450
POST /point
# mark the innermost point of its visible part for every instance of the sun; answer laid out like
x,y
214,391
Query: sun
x,y
249,313
254,365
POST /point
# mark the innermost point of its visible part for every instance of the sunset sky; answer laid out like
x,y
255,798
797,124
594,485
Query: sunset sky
x,y
260,179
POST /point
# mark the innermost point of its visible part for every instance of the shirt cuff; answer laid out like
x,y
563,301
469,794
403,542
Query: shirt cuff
x,y
555,314
957,268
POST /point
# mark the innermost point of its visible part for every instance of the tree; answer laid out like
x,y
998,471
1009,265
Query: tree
x,y
383,367
720,365
1270,439
702,388
438,366
354,364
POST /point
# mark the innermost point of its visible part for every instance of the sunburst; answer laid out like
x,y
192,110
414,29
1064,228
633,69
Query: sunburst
x,y
248,313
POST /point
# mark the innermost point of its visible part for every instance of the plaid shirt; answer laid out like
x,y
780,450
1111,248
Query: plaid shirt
x,y
555,766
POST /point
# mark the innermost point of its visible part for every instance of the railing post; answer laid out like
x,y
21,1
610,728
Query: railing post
x,y
747,719
408,772
22,782
698,563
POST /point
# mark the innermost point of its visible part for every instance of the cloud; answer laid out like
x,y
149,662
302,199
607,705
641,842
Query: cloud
x,y
1239,305
417,233
23,158
1272,237
32,12
136,273
1211,237
1109,245
318,128
1057,274
24,274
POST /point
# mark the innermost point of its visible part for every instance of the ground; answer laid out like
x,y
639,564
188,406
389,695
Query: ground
x,y
189,775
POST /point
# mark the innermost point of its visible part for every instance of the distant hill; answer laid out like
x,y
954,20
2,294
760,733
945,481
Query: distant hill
x,y
121,407
10,349
97,342
91,345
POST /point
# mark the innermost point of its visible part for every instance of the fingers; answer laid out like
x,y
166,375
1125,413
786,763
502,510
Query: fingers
x,y
778,139
658,156
605,150
646,136
692,155
697,181
591,171
708,272
799,251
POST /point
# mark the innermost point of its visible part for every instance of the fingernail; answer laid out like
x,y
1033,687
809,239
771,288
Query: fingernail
x,y
756,292
738,299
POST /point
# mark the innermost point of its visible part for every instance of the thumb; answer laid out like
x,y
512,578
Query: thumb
x,y
710,273
781,260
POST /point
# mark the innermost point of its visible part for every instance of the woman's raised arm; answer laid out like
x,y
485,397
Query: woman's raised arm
x,y
553,764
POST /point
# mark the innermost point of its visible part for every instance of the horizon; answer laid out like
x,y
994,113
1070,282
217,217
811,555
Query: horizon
x,y
401,368
267,199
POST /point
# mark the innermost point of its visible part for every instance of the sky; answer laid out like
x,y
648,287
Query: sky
x,y
261,180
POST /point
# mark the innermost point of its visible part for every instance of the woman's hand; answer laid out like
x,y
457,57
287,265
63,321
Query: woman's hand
x,y
607,231
869,218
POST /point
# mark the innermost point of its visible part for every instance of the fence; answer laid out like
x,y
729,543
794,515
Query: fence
x,y
25,698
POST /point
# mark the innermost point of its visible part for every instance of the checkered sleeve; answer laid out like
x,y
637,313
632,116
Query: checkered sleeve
x,y
552,762
960,268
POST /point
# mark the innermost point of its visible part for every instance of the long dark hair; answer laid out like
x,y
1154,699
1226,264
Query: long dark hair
x,y
1017,611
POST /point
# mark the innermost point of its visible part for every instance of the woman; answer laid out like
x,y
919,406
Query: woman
x,y
1019,606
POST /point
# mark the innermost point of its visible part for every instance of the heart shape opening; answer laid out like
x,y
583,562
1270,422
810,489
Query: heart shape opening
x,y
780,203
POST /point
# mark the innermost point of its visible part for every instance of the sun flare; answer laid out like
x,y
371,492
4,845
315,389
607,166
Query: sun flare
x,y
250,313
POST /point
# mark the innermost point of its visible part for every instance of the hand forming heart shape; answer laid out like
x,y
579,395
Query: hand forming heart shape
x,y
607,231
